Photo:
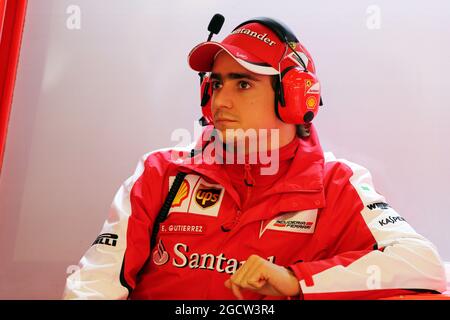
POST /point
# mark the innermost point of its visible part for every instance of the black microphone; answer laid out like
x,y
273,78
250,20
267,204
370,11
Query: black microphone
x,y
215,25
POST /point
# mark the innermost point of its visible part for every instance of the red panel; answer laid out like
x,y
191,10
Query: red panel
x,y
2,15
12,17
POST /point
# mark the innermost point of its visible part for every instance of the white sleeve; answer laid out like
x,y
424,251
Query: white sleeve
x,y
98,275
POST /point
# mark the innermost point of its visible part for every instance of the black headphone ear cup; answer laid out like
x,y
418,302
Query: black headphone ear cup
x,y
276,87
280,102
205,94
281,93
205,101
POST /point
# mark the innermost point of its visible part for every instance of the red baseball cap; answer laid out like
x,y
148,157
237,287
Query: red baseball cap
x,y
254,46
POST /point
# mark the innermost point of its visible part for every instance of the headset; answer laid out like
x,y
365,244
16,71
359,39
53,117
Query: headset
x,y
297,89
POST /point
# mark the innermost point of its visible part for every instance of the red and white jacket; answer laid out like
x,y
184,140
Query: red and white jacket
x,y
318,215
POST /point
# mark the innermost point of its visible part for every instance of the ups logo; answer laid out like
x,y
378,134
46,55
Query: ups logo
x,y
207,196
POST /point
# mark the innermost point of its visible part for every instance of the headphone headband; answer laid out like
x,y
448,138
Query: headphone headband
x,y
281,30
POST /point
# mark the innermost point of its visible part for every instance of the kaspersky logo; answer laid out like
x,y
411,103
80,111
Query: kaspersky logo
x,y
206,196
208,261
390,219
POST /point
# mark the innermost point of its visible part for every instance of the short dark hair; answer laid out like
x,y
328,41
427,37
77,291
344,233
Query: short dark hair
x,y
303,130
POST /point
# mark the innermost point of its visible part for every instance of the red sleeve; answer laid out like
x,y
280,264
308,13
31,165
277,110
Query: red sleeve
x,y
378,253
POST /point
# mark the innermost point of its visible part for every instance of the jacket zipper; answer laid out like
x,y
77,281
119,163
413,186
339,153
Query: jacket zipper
x,y
249,182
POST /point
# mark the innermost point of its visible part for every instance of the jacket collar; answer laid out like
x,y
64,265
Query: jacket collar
x,y
305,174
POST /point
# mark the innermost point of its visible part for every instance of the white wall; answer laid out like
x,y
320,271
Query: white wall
x,y
89,102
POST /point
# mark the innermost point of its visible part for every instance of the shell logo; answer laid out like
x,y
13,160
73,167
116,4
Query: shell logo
x,y
182,194
311,102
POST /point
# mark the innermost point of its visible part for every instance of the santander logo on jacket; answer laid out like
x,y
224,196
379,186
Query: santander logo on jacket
x,y
183,258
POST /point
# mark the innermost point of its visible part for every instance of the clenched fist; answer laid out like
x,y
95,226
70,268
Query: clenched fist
x,y
263,277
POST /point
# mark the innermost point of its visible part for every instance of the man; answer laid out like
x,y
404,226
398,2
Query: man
x,y
314,228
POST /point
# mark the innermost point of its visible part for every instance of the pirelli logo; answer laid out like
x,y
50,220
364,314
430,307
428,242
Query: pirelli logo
x,y
206,196
108,239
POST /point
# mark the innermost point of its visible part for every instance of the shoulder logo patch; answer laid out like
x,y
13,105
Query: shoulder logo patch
x,y
298,222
